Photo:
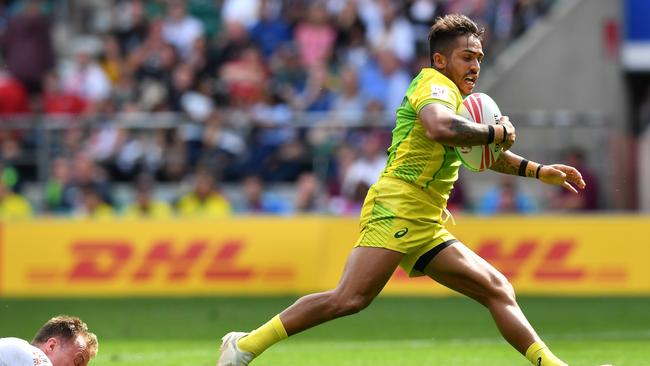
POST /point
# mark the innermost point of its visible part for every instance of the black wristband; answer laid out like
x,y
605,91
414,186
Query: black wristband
x,y
505,133
539,167
522,168
490,134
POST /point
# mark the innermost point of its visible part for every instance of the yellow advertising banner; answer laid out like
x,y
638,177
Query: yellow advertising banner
x,y
604,255
238,256
555,255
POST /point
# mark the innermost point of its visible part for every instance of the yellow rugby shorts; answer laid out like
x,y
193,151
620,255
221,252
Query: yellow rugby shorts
x,y
400,216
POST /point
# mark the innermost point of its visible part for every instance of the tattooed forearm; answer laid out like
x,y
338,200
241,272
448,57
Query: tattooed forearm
x,y
462,133
444,126
471,133
507,163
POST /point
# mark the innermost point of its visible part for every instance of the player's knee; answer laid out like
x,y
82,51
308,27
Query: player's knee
x,y
348,305
357,303
501,289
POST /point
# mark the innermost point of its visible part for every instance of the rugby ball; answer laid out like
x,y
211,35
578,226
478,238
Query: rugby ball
x,y
479,108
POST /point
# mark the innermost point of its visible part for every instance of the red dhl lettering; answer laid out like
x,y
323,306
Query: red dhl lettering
x,y
550,262
223,264
103,261
179,265
554,265
510,264
99,260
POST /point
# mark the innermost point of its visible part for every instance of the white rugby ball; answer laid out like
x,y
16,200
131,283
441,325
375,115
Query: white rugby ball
x,y
479,108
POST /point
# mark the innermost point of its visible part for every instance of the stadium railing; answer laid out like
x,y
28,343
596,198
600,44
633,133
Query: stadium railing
x,y
542,135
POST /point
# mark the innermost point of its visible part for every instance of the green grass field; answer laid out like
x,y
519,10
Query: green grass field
x,y
393,331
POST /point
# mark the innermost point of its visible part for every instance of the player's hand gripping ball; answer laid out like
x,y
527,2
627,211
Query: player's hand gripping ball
x,y
480,108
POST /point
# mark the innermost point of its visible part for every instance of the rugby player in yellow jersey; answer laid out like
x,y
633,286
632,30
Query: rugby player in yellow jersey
x,y
403,214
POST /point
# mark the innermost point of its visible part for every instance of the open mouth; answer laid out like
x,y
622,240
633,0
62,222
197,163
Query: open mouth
x,y
470,80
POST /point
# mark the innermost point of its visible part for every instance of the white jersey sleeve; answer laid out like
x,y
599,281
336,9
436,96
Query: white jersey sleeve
x,y
18,352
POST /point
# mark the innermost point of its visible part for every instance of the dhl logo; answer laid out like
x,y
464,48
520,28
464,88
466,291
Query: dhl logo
x,y
105,261
102,261
540,262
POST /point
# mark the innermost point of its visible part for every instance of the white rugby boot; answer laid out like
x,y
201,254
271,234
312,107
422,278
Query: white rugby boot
x,y
231,355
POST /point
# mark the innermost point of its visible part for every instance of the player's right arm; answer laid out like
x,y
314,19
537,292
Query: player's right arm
x,y
444,126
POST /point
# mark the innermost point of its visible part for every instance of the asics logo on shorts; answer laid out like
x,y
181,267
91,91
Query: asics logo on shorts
x,y
401,233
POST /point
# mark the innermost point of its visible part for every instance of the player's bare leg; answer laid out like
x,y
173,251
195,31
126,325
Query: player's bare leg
x,y
462,270
365,274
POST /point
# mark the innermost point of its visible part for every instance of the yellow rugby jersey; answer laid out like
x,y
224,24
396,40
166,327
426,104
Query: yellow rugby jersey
x,y
413,157
156,210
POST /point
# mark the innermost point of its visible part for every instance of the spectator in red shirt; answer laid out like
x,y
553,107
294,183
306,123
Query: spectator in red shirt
x,y
57,101
245,77
13,95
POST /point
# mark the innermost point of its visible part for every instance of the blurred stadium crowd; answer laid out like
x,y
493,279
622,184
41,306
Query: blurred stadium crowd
x,y
203,92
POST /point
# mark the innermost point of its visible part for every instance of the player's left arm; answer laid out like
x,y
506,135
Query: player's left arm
x,y
556,174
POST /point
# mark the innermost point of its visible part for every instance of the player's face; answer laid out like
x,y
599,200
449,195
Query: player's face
x,y
71,353
463,65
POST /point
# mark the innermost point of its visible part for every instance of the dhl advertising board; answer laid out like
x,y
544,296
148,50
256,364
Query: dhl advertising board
x,y
592,255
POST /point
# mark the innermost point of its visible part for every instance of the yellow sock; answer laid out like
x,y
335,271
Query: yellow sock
x,y
539,355
263,337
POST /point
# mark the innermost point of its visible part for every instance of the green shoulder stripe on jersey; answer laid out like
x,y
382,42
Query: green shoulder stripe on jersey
x,y
414,84
405,120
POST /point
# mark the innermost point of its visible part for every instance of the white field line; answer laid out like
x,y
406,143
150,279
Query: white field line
x,y
162,355
640,335
383,344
